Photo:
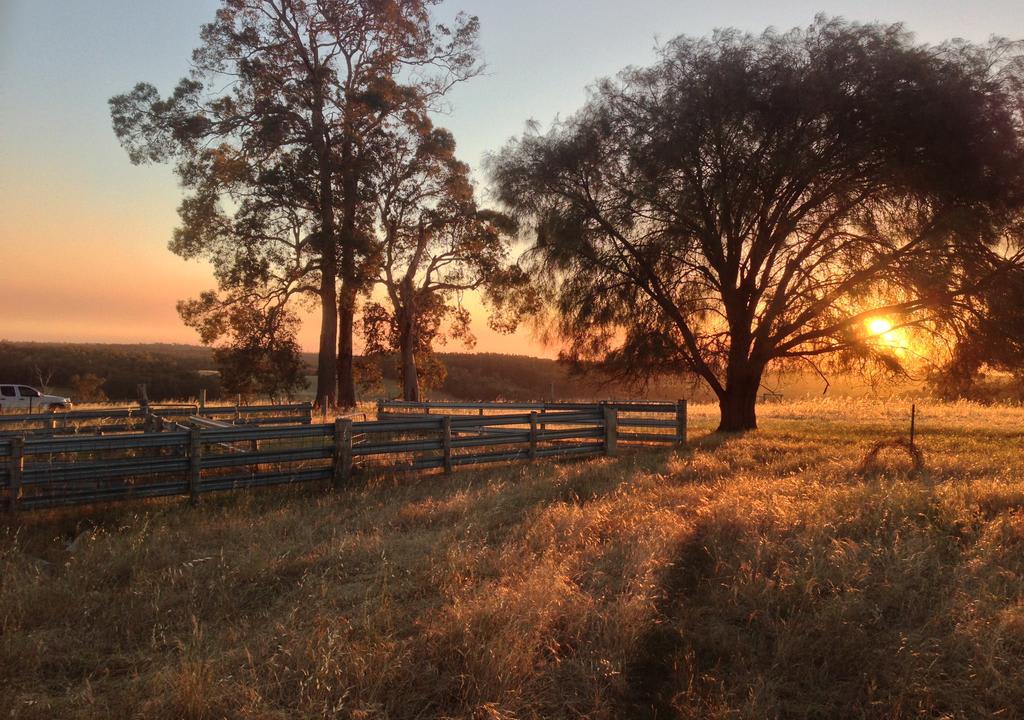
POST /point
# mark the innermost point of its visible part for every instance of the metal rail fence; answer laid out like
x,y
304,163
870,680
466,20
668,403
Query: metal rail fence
x,y
643,415
42,472
147,417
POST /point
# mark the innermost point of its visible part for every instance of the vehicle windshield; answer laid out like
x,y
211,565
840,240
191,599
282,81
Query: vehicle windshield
x,y
26,391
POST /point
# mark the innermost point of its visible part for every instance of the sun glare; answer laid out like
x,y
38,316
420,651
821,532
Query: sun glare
x,y
882,333
878,326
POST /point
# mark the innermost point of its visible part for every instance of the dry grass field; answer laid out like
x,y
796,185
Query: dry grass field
x,y
766,576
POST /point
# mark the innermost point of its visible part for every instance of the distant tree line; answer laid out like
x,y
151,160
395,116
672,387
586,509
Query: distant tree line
x,y
496,376
110,372
492,376
98,372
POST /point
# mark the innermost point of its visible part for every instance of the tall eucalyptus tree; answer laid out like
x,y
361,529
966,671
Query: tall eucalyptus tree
x,y
272,133
434,244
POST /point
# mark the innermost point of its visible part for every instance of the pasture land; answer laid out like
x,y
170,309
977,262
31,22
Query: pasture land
x,y
768,575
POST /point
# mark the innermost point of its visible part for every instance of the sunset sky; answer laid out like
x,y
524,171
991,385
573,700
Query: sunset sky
x,y
84,233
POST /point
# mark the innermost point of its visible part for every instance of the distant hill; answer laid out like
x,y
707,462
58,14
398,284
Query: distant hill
x,y
176,371
494,376
169,371
490,376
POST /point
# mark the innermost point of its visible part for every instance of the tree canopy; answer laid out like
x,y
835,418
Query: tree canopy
x,y
273,133
254,343
433,244
758,199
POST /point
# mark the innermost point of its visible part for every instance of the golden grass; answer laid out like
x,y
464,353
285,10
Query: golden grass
x,y
751,577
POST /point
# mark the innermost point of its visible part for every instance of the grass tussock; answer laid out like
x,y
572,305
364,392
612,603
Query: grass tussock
x,y
744,577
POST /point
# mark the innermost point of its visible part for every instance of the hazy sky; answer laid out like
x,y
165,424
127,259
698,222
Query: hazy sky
x,y
84,233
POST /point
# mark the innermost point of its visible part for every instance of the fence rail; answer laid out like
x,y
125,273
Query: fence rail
x,y
448,406
41,472
142,417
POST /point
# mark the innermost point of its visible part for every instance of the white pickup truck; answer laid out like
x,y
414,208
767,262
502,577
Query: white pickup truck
x,y
22,398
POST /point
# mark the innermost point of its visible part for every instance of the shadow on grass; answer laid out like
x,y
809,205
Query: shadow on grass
x,y
713,441
654,674
900,606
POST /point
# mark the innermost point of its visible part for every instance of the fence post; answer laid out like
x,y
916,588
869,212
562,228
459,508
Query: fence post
x,y
681,422
533,435
147,421
913,423
195,463
380,408
342,450
307,414
17,465
202,400
611,431
446,442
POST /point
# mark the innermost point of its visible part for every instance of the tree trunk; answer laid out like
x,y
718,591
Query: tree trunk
x,y
326,375
737,403
346,359
407,346
347,300
326,371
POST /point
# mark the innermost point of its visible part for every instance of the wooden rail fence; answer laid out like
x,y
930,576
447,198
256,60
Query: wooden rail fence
x,y
201,457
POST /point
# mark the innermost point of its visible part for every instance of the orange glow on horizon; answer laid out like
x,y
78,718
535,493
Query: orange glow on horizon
x,y
86,271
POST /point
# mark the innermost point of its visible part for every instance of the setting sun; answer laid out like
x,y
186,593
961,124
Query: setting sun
x,y
879,326
884,335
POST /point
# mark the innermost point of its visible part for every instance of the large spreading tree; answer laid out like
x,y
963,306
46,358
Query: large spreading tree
x,y
274,134
755,200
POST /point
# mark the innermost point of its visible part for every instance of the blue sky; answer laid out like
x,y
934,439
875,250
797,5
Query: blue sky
x,y
87,231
